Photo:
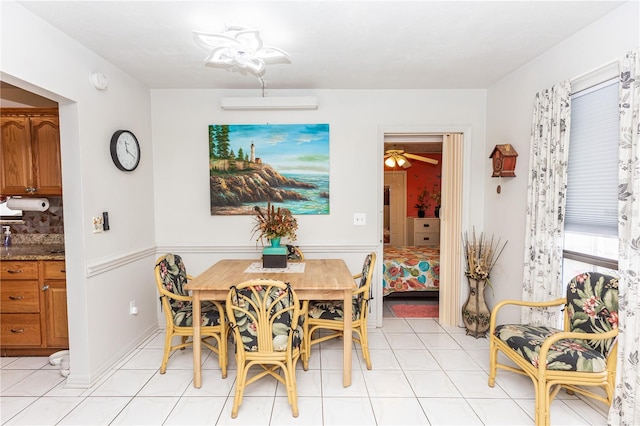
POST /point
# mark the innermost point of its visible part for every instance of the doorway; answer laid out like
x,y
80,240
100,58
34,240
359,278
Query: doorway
x,y
451,213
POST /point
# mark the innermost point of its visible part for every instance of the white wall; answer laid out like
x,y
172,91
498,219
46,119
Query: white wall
x,y
509,116
104,271
356,118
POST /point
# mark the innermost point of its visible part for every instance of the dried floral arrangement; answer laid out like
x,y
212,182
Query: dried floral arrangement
x,y
423,203
273,223
481,255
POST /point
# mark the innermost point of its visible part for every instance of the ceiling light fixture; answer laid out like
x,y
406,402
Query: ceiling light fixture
x,y
240,50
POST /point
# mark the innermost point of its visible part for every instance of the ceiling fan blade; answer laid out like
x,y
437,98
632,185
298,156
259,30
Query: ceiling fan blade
x,y
420,158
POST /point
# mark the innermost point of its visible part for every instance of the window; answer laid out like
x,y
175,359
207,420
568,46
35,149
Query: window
x,y
591,220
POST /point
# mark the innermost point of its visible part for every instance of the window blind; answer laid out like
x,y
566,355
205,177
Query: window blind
x,y
592,185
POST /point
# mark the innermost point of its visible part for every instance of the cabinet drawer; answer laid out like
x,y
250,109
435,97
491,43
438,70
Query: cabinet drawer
x,y
20,330
19,296
426,224
19,270
427,238
55,270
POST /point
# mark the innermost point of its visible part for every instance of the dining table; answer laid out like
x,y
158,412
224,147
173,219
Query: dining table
x,y
311,279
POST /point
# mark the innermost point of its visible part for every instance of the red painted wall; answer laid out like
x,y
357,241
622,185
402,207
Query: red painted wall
x,y
422,176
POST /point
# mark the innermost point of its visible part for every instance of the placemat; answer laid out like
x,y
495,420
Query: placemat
x,y
292,267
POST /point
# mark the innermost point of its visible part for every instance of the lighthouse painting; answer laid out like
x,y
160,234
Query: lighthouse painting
x,y
284,164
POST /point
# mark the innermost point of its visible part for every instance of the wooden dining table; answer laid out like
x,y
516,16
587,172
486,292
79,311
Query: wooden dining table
x,y
320,279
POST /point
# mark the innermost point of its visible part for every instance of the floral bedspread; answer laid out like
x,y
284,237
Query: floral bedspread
x,y
410,268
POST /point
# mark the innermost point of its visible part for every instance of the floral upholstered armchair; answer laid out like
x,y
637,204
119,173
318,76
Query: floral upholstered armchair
x,y
581,355
171,277
265,318
329,315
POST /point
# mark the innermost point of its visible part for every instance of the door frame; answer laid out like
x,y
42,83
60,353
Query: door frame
x,y
453,297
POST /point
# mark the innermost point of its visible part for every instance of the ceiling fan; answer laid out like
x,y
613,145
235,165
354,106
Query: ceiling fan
x,y
393,157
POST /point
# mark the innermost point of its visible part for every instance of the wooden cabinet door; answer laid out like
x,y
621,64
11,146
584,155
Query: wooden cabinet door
x,y
45,142
55,306
17,171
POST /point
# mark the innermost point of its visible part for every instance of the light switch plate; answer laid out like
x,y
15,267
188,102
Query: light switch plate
x,y
359,219
97,224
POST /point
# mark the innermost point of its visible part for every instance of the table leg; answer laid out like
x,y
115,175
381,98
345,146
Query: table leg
x,y
347,338
197,347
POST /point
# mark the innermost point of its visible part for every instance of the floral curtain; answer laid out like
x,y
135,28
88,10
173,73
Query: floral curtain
x,y
546,198
625,409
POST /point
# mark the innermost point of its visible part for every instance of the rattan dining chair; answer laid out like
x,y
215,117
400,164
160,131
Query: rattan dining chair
x,y
264,317
171,277
329,315
581,355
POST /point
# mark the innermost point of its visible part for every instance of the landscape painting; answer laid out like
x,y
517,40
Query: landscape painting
x,y
254,164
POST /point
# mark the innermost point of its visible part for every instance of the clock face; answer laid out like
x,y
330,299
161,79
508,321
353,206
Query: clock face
x,y
125,150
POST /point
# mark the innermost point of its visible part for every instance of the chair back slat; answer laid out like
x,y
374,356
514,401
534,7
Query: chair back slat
x,y
592,306
265,314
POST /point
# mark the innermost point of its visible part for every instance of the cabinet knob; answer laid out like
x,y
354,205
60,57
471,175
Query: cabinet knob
x,y
31,190
45,287
19,330
426,225
14,271
16,297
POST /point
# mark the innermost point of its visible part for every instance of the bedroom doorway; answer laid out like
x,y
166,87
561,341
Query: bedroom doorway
x,y
453,194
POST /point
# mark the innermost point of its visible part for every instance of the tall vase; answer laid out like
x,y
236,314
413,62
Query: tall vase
x,y
275,242
475,312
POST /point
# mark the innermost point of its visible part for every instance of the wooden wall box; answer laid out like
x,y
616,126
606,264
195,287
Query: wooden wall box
x,y
504,161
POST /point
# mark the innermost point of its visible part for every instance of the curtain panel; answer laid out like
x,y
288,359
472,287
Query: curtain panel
x,y
625,409
546,199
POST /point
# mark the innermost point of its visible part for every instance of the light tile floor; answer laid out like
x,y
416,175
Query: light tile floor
x,y
422,374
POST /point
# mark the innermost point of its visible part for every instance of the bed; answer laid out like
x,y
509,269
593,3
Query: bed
x,y
410,268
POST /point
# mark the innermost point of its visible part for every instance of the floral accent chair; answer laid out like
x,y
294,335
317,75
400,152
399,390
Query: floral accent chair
x,y
265,319
171,277
294,254
329,314
581,355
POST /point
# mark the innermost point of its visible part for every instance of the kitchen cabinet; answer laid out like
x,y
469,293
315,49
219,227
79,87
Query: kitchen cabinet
x,y
33,307
30,147
423,231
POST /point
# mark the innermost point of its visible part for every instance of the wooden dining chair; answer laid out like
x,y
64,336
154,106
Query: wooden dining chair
x,y
177,305
264,317
329,315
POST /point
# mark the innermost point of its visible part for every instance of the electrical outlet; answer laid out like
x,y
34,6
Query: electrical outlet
x,y
359,219
97,224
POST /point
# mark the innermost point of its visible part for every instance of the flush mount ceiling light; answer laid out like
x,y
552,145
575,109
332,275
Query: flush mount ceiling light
x,y
241,50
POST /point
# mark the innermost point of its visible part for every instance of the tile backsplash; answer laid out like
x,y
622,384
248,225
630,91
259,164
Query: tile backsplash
x,y
48,222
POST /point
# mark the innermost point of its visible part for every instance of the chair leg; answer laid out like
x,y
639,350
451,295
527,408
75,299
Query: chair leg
x,y
289,371
167,349
493,358
222,351
240,382
364,342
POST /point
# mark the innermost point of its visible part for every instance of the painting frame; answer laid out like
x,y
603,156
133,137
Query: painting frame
x,y
286,165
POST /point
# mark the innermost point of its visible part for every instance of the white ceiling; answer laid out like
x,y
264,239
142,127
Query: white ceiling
x,y
333,44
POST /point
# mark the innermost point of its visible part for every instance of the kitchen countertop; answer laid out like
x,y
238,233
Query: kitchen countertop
x,y
32,252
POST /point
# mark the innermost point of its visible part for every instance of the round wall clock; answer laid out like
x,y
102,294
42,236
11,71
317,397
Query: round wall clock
x,y
125,150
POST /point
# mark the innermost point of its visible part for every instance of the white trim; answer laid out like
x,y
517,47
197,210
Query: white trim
x,y
594,77
106,264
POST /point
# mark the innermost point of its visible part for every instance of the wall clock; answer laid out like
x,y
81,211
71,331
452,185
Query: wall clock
x,y
125,150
